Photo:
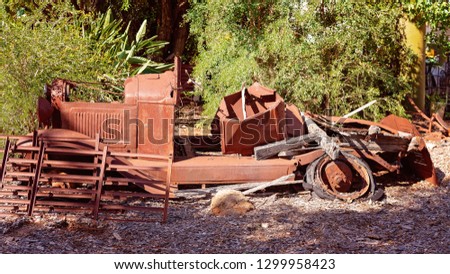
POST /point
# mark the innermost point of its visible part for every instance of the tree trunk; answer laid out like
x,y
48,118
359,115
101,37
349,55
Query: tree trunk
x,y
171,26
165,23
181,29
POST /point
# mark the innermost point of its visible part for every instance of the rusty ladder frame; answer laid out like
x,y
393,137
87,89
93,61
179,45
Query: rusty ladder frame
x,y
37,175
40,147
4,160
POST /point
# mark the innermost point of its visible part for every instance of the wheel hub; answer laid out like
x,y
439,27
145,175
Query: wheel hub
x,y
345,178
338,176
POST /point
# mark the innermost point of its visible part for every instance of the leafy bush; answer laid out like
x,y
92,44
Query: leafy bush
x,y
326,58
36,49
54,40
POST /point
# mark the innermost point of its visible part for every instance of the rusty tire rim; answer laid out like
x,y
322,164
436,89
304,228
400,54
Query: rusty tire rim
x,y
346,178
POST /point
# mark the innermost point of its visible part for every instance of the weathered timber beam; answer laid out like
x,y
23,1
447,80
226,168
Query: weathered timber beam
x,y
326,142
272,149
380,144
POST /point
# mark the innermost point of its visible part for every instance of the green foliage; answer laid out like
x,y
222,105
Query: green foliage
x,y
328,57
52,39
436,14
35,50
107,37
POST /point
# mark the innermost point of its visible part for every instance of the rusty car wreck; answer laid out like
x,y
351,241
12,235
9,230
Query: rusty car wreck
x,y
107,158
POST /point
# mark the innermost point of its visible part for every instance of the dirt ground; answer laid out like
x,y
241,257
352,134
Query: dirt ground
x,y
414,217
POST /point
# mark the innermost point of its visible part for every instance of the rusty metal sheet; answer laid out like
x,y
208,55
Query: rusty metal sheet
x,y
418,156
44,111
400,124
445,127
156,88
163,88
364,123
419,161
116,123
262,122
309,157
229,169
155,131
295,125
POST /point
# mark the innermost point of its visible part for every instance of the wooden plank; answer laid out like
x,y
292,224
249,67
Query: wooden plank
x,y
326,142
272,149
381,144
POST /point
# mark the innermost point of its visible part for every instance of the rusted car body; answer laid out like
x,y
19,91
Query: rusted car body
x,y
96,157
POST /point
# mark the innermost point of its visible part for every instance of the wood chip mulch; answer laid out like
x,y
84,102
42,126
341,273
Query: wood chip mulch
x,y
414,217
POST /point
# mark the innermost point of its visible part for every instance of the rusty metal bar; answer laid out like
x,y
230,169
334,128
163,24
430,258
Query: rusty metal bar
x,y
43,208
97,146
70,165
35,185
14,187
83,152
36,137
4,193
87,179
376,158
136,208
130,180
141,155
34,143
64,203
44,190
129,194
116,167
99,183
51,194
15,201
17,174
13,207
20,161
166,198
5,158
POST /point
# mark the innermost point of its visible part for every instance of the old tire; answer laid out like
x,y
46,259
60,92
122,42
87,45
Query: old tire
x,y
346,178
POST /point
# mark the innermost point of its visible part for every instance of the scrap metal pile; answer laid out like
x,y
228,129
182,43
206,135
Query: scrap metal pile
x,y
107,158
